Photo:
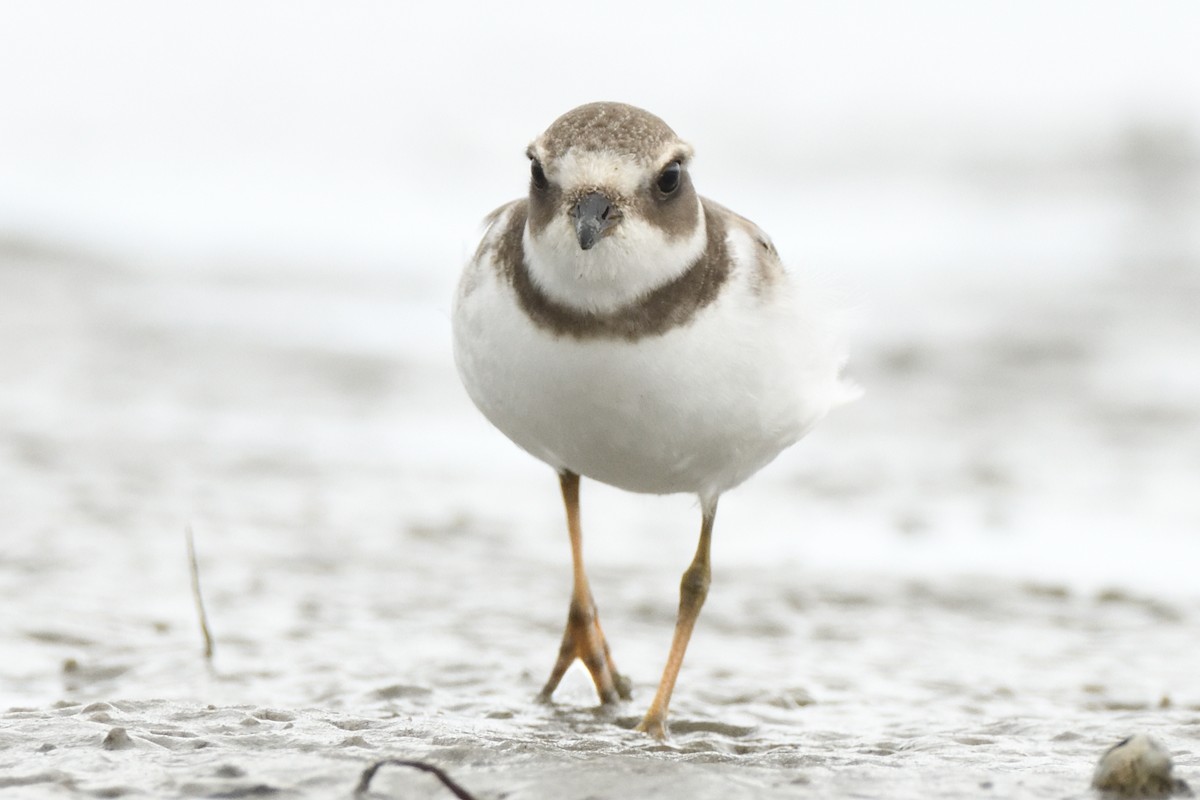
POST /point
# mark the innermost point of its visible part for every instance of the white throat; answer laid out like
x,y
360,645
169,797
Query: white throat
x,y
632,261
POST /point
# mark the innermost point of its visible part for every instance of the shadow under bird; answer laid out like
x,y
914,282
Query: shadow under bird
x,y
617,326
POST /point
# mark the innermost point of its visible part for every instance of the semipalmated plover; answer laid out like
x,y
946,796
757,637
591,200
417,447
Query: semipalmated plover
x,y
620,327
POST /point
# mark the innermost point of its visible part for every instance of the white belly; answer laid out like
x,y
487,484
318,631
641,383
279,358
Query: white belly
x,y
698,409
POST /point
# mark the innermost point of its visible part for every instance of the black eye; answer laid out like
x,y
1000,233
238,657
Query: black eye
x,y
538,175
668,179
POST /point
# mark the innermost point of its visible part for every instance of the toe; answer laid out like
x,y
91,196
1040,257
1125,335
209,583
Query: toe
x,y
654,727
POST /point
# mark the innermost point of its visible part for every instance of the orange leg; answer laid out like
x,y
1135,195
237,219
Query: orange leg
x,y
692,591
583,638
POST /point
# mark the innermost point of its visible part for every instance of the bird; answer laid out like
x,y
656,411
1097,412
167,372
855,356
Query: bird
x,y
620,327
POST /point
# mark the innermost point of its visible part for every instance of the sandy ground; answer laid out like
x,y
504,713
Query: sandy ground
x,y
968,584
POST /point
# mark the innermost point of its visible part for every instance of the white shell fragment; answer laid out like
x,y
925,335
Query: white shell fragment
x,y
1138,766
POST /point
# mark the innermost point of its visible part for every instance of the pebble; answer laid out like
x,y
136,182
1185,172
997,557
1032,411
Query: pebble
x,y
1138,767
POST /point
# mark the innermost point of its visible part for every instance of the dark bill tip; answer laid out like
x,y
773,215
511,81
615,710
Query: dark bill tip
x,y
594,215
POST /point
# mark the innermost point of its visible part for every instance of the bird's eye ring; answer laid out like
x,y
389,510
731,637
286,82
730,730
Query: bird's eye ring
x,y
670,178
537,174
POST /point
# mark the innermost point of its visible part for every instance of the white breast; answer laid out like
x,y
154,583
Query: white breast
x,y
698,409
635,258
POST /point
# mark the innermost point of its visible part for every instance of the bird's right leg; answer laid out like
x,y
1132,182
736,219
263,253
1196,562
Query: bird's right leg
x,y
583,638
693,589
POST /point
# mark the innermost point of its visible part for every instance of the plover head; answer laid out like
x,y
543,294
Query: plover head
x,y
612,209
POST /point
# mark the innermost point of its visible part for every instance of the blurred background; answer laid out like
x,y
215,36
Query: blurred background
x,y
229,234
874,140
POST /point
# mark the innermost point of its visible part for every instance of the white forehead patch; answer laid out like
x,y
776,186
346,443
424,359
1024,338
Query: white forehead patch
x,y
589,168
624,173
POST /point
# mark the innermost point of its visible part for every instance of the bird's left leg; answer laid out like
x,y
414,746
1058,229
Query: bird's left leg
x,y
693,589
583,638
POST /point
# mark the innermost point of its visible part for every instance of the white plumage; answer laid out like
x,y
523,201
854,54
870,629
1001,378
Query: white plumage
x,y
697,409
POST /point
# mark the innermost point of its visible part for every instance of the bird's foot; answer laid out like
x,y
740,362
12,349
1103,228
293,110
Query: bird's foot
x,y
653,726
584,639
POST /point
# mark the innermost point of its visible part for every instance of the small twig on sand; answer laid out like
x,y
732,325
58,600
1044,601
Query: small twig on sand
x,y
195,570
364,784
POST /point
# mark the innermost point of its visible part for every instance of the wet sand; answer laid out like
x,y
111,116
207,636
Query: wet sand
x,y
971,583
